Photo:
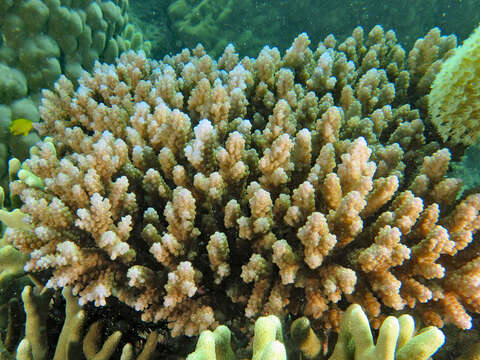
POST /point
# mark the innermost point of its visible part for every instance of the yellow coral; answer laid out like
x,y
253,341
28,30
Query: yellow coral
x,y
454,102
396,339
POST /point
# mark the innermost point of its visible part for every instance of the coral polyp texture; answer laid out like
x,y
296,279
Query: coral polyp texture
x,y
194,189
454,103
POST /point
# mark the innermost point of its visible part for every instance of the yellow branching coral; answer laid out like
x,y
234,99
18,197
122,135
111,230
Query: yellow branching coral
x,y
193,189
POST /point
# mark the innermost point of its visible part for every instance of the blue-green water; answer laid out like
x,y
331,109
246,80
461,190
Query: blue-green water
x,y
251,24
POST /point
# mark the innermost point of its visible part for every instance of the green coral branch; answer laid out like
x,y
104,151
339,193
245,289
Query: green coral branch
x,y
396,340
73,343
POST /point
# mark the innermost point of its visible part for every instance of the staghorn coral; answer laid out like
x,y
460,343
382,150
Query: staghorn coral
x,y
215,23
193,189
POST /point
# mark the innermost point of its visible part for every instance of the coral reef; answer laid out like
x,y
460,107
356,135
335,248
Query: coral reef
x,y
454,104
174,24
195,190
39,40
396,340
73,342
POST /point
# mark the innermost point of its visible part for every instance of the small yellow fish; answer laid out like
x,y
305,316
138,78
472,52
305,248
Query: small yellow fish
x,y
21,126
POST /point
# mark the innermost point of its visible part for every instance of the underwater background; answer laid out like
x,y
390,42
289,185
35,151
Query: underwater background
x,y
251,24
170,191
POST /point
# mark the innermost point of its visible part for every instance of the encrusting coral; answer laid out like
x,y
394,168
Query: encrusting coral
x,y
396,340
194,190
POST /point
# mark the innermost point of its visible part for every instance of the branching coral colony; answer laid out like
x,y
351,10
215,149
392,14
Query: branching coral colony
x,y
195,189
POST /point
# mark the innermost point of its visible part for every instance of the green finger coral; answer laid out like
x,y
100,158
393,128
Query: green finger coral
x,y
267,342
75,340
213,345
396,340
39,40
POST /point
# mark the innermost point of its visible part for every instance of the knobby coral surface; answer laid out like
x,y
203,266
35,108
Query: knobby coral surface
x,y
41,39
454,103
195,189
